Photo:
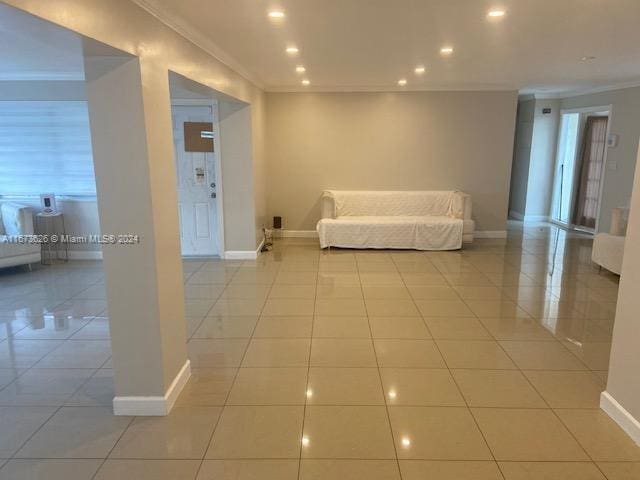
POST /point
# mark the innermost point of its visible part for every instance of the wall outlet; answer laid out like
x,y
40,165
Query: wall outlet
x,y
613,166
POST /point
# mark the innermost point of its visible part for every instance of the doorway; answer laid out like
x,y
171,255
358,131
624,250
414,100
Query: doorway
x,y
580,164
198,172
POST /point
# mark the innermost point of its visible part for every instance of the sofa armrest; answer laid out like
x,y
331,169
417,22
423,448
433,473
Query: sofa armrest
x,y
462,205
327,205
619,219
17,219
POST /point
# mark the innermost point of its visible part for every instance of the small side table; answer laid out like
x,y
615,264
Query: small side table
x,y
52,224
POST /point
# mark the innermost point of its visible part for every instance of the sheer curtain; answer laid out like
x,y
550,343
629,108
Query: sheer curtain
x,y
591,171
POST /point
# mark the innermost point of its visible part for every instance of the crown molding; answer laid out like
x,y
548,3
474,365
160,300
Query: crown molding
x,y
583,91
391,88
186,30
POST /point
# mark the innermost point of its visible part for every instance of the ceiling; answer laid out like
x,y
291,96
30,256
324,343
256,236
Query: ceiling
x,y
33,49
537,47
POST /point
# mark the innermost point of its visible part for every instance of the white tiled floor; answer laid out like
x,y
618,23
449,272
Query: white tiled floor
x,y
481,364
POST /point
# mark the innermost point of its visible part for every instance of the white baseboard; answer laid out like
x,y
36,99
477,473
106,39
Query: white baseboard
x,y
299,234
85,254
243,254
621,416
154,406
490,234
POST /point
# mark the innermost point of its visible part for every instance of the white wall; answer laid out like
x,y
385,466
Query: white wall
x,y
236,153
534,159
621,160
543,159
622,397
389,141
521,158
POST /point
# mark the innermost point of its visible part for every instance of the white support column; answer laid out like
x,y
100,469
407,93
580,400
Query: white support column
x,y
621,400
236,154
129,111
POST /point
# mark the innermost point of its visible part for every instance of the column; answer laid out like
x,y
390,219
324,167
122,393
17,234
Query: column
x,y
129,111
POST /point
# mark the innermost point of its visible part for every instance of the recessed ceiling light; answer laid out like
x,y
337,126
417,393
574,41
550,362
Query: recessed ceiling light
x,y
402,82
588,58
292,50
305,82
276,14
419,70
446,50
300,69
496,13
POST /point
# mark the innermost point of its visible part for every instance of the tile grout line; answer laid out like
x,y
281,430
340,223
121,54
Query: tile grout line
x,y
306,396
13,455
378,367
375,355
459,390
536,390
235,377
124,430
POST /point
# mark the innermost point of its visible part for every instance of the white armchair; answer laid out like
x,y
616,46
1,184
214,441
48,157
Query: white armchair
x,y
16,220
608,248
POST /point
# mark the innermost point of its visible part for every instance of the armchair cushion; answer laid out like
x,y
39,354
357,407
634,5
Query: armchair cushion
x,y
16,219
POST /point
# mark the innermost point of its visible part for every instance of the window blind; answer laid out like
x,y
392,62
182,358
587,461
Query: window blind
x,y
45,146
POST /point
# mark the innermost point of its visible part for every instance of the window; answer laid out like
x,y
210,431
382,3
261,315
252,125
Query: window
x,y
45,147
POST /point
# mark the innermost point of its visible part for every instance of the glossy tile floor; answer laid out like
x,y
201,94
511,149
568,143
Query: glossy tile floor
x,y
480,364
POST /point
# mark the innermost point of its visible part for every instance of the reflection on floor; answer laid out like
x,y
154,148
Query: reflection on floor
x,y
480,364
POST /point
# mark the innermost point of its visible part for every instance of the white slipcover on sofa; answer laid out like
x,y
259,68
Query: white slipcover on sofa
x,y
16,220
420,220
608,248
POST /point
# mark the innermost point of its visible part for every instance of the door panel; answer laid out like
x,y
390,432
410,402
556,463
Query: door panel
x,y
196,175
202,213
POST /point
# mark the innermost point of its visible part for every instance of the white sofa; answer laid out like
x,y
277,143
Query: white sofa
x,y
608,248
16,220
420,220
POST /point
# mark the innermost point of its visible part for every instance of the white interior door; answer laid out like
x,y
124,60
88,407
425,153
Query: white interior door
x,y
196,185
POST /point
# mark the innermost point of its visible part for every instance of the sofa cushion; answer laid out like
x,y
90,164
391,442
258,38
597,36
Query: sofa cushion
x,y
14,249
401,231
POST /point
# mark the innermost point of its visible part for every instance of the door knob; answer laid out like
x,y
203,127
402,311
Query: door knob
x,y
213,185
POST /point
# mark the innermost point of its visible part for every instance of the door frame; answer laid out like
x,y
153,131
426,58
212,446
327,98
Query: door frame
x,y
197,102
584,111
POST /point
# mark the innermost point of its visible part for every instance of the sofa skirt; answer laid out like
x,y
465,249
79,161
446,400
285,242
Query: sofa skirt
x,y
397,232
